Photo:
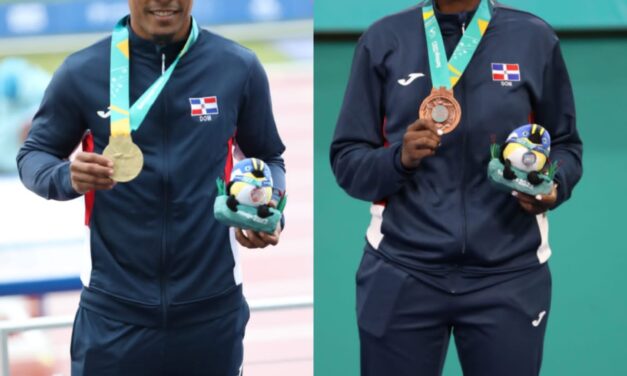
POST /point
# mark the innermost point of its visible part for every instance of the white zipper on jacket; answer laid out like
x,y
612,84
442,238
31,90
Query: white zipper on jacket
x,y
162,63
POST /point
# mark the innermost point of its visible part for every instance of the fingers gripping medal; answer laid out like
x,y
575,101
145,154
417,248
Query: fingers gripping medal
x,y
127,158
441,105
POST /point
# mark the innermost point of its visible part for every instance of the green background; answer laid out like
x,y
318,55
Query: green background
x,y
574,14
588,323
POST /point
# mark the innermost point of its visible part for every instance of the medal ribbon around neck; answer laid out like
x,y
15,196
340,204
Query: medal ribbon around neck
x,y
126,118
447,73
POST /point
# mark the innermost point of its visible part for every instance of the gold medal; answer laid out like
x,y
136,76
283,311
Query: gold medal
x,y
443,108
127,158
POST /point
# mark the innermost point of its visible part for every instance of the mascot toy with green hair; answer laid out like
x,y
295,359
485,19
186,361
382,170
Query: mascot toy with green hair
x,y
522,162
245,201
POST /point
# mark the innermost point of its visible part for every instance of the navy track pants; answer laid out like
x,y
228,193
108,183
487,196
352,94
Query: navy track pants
x,y
405,324
104,347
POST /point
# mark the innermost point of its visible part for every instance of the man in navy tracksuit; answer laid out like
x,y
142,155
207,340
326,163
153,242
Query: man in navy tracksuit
x,y
446,252
163,295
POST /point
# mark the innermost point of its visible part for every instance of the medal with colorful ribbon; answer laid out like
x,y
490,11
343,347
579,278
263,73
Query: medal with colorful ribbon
x,y
441,105
127,158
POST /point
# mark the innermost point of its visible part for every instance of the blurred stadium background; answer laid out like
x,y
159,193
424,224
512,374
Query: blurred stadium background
x,y
588,323
41,242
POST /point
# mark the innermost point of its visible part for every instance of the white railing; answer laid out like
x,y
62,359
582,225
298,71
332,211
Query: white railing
x,y
44,323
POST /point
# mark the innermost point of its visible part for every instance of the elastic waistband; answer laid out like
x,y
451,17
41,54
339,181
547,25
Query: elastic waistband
x,y
446,268
455,280
176,315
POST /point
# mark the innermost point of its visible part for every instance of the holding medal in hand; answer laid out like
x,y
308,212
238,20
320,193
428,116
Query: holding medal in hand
x,y
91,172
441,105
122,160
440,113
421,140
163,274
446,254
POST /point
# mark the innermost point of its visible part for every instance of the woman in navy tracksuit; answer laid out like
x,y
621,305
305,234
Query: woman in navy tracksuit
x,y
446,252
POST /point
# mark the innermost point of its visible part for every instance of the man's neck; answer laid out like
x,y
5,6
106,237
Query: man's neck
x,y
457,6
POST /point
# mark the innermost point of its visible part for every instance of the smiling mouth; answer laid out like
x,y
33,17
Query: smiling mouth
x,y
164,13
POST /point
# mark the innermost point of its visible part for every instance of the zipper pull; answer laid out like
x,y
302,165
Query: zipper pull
x,y
162,63
462,18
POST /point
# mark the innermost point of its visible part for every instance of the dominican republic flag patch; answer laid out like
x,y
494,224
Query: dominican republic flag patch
x,y
204,107
505,72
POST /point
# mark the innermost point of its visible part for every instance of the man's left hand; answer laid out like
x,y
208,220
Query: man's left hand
x,y
257,239
538,204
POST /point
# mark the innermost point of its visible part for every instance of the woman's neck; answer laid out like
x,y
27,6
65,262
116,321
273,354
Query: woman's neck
x,y
457,6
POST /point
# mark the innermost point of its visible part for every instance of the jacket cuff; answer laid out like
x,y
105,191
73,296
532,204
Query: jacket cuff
x,y
63,181
398,166
562,191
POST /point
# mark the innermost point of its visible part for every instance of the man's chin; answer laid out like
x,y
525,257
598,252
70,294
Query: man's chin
x,y
163,38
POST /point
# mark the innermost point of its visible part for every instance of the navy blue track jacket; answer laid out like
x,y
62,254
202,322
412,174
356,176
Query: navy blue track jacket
x,y
158,256
446,216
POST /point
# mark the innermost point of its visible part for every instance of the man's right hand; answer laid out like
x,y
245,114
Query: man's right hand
x,y
91,172
420,140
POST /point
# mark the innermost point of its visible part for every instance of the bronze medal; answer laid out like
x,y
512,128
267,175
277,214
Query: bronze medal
x,y
127,158
443,108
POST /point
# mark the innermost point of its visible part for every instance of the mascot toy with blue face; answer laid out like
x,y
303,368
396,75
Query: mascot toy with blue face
x,y
522,162
244,201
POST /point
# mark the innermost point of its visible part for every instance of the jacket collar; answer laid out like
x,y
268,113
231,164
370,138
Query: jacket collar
x,y
148,48
451,23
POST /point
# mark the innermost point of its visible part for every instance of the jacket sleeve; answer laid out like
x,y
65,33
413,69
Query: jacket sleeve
x,y
56,130
364,166
556,112
257,134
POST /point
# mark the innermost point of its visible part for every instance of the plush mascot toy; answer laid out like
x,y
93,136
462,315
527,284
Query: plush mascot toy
x,y
522,163
251,184
243,202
